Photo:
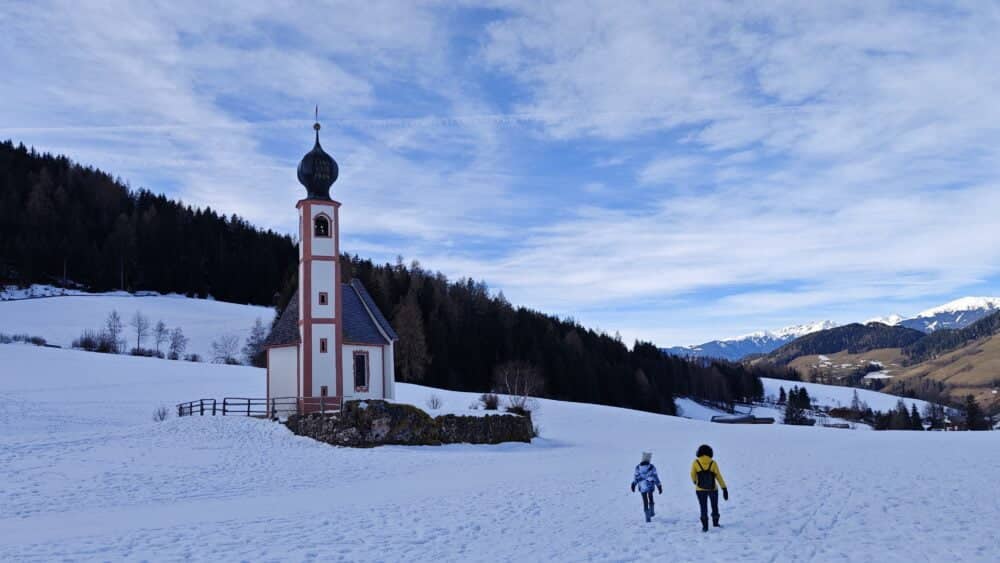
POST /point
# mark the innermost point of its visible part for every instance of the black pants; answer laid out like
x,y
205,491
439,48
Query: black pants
x,y
647,500
703,497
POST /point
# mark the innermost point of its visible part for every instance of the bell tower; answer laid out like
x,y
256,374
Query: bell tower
x,y
320,300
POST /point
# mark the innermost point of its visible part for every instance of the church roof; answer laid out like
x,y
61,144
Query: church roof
x,y
360,318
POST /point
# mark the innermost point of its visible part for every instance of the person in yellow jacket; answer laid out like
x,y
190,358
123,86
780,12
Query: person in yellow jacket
x,y
704,474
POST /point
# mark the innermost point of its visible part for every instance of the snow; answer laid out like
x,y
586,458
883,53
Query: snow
x,y
89,476
60,319
835,396
891,320
963,304
788,332
878,375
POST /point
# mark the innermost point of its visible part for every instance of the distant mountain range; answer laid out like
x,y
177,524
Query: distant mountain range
x,y
760,342
956,314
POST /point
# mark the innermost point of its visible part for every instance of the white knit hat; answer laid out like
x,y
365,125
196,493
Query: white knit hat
x,y
647,456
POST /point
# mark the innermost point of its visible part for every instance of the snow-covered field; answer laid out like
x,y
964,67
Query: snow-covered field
x,y
61,318
87,475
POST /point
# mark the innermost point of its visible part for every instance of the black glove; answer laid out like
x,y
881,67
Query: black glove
x,y
725,494
633,487
660,488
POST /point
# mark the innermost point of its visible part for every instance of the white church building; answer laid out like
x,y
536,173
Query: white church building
x,y
331,343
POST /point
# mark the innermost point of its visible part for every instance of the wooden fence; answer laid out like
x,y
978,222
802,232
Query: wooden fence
x,y
274,407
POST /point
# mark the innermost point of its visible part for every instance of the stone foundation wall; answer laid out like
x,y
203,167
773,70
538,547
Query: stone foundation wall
x,y
371,423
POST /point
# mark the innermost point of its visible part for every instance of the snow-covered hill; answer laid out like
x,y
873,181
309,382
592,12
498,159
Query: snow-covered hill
x,y
87,475
760,342
60,318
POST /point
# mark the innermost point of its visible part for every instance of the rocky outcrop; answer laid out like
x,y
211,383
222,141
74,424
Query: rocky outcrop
x,y
364,424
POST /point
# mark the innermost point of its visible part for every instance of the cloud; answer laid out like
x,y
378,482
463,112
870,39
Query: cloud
x,y
665,169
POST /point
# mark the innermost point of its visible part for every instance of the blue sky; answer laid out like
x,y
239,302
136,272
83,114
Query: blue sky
x,y
673,172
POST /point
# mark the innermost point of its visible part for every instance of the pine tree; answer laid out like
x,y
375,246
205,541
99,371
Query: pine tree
x,y
253,349
916,423
974,417
782,397
411,350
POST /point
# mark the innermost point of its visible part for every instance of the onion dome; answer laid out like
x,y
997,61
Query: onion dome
x,y
318,171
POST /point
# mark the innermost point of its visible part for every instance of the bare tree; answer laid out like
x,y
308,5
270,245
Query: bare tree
x,y
160,414
178,343
520,381
225,348
434,402
160,334
141,326
113,327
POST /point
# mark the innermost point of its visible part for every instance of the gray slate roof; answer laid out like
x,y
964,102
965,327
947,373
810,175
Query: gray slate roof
x,y
360,317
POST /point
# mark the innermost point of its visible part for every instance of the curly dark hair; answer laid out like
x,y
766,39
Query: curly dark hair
x,y
704,449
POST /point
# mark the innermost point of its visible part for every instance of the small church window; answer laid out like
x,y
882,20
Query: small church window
x,y
360,371
322,346
322,227
323,298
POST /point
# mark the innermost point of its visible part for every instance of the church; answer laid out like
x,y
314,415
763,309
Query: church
x,y
331,343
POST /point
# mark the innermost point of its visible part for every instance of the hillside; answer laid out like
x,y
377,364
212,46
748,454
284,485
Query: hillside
x,y
853,338
63,221
944,341
845,368
61,319
117,486
972,369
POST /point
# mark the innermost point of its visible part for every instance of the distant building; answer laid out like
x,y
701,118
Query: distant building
x,y
331,343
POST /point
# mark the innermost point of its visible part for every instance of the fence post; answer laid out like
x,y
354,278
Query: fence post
x,y
322,404
201,405
213,407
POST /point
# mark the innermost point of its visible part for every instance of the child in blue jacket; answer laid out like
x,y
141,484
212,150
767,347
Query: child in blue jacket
x,y
646,479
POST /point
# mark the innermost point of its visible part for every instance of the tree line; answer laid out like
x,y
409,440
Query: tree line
x,y
456,334
61,222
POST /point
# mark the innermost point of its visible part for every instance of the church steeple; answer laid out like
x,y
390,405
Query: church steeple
x,y
318,170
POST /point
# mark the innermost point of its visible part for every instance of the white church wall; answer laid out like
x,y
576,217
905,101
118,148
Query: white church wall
x,y
282,373
324,364
375,368
323,279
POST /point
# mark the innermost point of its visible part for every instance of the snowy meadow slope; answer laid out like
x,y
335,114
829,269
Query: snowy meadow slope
x,y
61,318
89,476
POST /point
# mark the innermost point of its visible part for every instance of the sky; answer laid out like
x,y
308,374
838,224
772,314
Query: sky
x,y
670,171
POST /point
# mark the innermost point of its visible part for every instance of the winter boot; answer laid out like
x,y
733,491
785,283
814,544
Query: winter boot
x,y
652,510
649,513
715,522
704,524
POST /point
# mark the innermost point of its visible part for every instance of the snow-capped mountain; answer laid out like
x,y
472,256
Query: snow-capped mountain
x,y
891,320
959,313
760,342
